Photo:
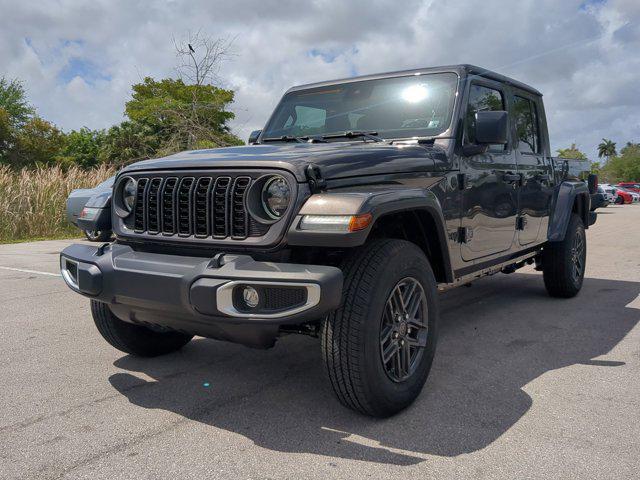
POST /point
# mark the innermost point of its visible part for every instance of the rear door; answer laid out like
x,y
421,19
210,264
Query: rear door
x,y
489,201
535,193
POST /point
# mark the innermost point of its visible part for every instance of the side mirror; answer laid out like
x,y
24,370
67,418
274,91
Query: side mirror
x,y
492,127
592,181
253,137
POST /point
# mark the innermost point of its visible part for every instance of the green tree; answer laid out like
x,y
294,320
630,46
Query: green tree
x,y
624,167
571,152
607,149
82,147
630,147
38,142
128,142
183,116
13,100
6,134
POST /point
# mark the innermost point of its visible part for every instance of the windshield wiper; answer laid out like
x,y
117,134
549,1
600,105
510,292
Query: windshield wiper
x,y
355,134
283,138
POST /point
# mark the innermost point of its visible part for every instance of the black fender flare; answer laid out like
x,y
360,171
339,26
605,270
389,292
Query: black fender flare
x,y
379,202
567,194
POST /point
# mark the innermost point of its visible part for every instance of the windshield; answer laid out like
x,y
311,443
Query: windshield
x,y
399,107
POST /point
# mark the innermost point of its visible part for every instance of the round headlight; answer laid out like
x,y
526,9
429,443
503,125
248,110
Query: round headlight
x,y
129,194
276,196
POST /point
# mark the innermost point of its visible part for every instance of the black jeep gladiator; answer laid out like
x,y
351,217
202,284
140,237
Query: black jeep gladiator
x,y
342,219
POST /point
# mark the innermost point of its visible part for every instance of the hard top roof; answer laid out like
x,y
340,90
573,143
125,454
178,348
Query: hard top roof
x,y
462,70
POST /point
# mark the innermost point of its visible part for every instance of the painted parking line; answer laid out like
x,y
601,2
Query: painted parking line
x,y
24,270
634,303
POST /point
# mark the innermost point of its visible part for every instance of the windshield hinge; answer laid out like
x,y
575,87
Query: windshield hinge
x,y
314,175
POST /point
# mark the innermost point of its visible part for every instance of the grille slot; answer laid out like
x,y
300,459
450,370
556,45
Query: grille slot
x,y
139,223
195,205
153,206
168,205
220,207
201,206
239,220
184,202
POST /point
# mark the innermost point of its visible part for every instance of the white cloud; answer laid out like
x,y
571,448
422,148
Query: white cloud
x,y
583,55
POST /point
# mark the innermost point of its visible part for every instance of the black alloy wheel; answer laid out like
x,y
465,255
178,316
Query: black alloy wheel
x,y
404,329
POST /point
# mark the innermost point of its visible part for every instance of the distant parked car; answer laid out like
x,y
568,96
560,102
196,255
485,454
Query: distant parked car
x,y
609,192
89,203
635,196
633,186
622,197
599,199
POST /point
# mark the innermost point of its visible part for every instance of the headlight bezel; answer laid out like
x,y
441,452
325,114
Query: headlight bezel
x,y
265,190
120,205
256,204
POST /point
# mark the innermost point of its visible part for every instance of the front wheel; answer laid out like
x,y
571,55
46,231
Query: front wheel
x,y
135,339
563,263
379,345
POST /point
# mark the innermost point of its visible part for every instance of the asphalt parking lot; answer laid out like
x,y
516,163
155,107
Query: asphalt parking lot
x,y
523,386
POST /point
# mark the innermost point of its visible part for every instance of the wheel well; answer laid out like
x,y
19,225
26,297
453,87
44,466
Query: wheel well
x,y
419,227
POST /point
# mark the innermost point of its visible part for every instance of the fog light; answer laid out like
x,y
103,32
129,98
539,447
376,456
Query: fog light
x,y
250,297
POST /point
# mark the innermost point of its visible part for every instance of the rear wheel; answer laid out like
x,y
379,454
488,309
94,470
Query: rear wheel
x,y
379,345
135,339
564,262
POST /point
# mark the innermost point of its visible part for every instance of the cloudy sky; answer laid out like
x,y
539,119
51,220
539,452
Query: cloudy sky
x,y
78,59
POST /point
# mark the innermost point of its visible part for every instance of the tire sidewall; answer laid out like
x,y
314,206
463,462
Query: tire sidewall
x,y
575,228
408,262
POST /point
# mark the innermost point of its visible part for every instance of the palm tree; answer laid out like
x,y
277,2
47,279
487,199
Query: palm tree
x,y
607,149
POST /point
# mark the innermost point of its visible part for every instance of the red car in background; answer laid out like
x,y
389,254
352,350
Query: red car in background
x,y
634,187
623,197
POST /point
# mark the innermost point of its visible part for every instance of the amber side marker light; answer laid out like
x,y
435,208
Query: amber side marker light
x,y
360,222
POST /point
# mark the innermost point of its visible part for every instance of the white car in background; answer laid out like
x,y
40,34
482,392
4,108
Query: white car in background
x,y
608,191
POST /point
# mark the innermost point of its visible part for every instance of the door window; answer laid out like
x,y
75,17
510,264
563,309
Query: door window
x,y
481,99
527,131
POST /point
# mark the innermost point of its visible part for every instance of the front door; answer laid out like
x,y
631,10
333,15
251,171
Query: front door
x,y
489,201
536,192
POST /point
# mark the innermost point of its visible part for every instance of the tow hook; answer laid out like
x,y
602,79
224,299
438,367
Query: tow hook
x,y
217,261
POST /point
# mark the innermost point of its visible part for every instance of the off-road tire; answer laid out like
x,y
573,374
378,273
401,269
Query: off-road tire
x,y
135,339
558,262
98,235
351,335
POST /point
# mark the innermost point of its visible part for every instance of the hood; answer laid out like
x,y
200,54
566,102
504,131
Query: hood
x,y
336,159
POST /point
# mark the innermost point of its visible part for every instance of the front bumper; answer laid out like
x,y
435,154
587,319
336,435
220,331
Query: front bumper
x,y
197,295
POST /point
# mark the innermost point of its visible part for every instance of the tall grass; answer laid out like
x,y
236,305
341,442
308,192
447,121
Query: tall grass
x,y
33,202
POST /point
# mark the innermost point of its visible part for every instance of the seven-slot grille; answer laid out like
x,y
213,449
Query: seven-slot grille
x,y
199,206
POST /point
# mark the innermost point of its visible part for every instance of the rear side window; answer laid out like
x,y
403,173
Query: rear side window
x,y
526,119
482,98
